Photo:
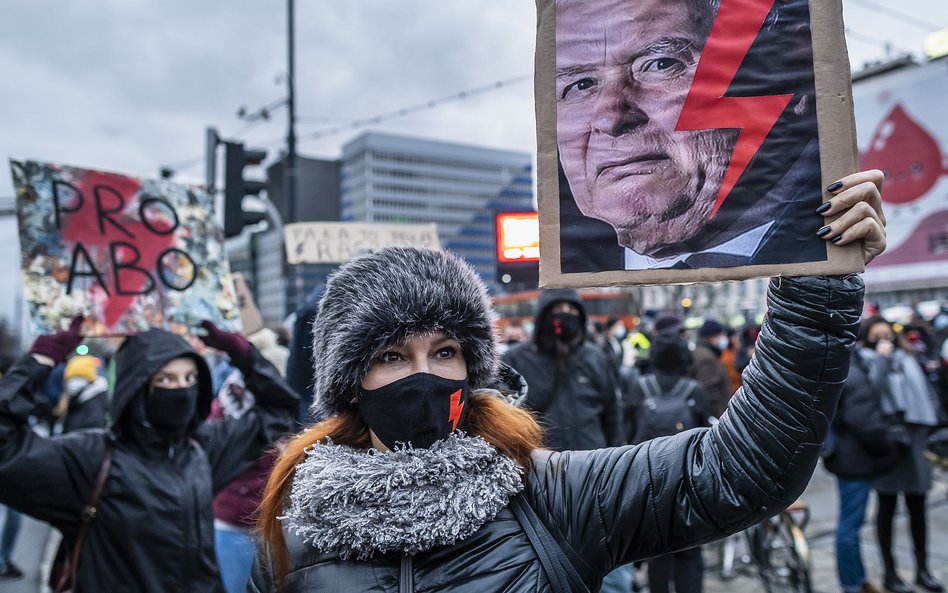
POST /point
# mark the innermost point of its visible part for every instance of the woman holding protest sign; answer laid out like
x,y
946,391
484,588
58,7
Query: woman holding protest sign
x,y
134,502
424,477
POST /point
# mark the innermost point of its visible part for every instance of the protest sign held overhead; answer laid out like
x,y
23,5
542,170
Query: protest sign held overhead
x,y
127,253
686,142
338,242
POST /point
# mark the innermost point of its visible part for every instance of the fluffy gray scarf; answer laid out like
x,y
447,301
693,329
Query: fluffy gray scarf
x,y
361,502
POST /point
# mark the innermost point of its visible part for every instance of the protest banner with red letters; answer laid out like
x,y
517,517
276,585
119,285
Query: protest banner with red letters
x,y
127,253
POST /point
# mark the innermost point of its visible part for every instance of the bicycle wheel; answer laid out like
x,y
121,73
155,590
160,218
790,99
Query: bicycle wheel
x,y
782,555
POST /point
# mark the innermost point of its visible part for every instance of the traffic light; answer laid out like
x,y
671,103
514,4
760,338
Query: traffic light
x,y
236,158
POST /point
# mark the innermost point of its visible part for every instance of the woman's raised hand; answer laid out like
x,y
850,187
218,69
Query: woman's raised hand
x,y
857,198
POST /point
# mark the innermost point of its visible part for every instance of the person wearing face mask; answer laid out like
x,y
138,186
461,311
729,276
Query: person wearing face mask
x,y
152,529
85,394
912,411
611,344
707,368
572,384
424,474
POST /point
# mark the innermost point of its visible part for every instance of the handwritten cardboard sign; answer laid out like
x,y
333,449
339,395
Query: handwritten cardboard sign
x,y
127,253
685,141
338,242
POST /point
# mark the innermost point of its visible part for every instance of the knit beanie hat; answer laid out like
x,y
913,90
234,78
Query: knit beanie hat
x,y
381,300
711,327
81,366
670,353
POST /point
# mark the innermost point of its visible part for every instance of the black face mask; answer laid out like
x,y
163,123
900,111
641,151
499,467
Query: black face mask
x,y
565,326
420,409
171,409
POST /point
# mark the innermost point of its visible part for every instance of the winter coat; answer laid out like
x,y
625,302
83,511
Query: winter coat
x,y
609,507
910,409
153,530
707,369
859,448
576,402
576,399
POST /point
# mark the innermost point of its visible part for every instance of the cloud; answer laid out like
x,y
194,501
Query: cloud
x,y
130,85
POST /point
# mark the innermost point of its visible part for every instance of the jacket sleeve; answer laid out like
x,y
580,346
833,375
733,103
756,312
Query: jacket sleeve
x,y
613,506
47,478
860,412
234,445
708,371
632,397
702,405
611,404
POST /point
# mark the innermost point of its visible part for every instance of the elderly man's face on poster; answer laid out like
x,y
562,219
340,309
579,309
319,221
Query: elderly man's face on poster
x,y
622,74
689,127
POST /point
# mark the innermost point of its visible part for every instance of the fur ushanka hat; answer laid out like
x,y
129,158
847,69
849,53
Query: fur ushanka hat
x,y
381,300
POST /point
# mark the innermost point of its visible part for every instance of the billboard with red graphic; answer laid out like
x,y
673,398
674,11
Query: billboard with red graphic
x,y
902,130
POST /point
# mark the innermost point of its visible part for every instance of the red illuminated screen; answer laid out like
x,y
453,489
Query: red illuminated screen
x,y
518,237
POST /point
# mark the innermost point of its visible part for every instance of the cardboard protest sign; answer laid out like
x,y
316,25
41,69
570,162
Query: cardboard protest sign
x,y
338,242
685,141
250,318
127,253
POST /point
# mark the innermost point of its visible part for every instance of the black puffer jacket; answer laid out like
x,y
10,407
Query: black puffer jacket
x,y
612,506
154,530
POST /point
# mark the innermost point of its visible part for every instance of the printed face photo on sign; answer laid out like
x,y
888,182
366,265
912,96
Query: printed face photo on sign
x,y
686,132
126,253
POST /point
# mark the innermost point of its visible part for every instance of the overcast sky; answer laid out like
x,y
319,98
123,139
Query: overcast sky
x,y
130,85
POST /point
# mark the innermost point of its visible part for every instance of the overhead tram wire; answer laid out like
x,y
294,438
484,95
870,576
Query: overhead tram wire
x,y
876,41
358,123
895,14
405,111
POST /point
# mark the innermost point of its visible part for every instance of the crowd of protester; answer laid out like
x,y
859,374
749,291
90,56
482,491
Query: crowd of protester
x,y
171,463
595,385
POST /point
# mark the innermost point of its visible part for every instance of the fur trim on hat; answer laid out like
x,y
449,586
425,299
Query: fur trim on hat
x,y
361,502
381,300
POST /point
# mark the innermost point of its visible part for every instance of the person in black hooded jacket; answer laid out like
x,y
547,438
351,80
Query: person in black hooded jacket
x,y
153,527
572,384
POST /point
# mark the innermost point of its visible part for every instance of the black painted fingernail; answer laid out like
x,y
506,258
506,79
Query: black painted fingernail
x,y
834,186
823,231
837,239
826,206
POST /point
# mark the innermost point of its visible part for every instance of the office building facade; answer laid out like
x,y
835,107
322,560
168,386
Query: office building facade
x,y
397,179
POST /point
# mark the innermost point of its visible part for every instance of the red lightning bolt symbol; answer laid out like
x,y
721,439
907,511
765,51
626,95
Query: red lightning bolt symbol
x,y
737,24
456,407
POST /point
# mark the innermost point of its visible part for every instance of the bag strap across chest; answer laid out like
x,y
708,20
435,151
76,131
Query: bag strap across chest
x,y
557,567
67,579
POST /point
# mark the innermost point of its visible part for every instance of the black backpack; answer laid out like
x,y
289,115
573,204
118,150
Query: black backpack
x,y
662,414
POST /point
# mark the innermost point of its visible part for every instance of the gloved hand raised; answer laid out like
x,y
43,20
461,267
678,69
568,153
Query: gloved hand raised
x,y
234,344
58,346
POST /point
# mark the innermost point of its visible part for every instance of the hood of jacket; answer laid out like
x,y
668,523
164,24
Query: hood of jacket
x,y
138,359
545,303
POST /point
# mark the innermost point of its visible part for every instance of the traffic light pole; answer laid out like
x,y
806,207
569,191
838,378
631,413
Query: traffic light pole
x,y
290,168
